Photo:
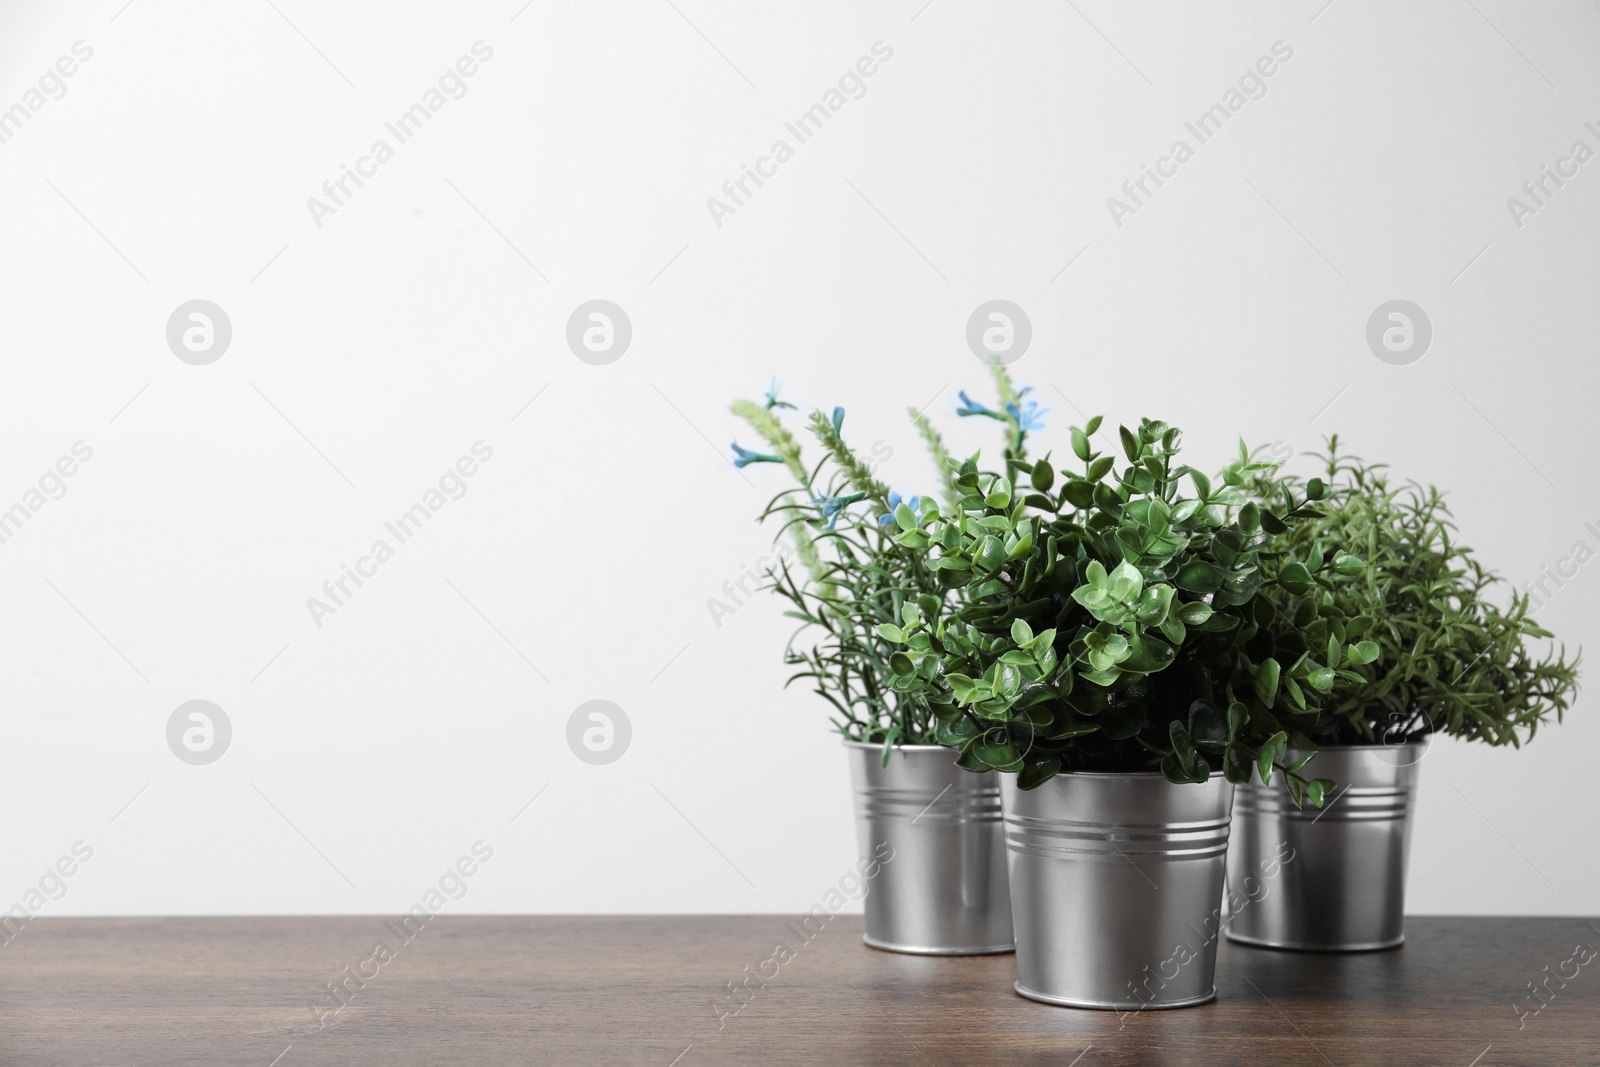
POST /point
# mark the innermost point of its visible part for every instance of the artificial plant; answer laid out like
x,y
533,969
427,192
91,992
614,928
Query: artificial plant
x,y
1104,623
1427,648
854,576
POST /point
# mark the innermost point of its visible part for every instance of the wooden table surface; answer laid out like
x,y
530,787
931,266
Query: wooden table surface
x,y
652,990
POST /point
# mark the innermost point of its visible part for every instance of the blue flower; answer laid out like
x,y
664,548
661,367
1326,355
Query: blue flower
x,y
743,457
833,506
1030,417
838,419
894,502
772,397
970,406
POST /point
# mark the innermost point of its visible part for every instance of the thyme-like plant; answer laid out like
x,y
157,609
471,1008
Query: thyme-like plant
x,y
856,576
1103,625
1427,649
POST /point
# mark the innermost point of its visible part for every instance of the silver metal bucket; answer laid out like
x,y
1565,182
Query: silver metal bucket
x,y
1331,879
943,891
1116,882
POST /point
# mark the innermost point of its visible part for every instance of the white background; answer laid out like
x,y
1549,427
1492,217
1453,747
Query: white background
x,y
372,351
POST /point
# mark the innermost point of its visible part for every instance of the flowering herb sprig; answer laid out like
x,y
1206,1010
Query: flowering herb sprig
x,y
857,574
1021,417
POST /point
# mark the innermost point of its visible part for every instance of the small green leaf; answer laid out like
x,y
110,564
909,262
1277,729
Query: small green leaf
x,y
1079,494
1044,475
1267,681
1347,564
1362,652
1296,578
1130,443
1198,576
1264,764
1021,632
1080,444
890,632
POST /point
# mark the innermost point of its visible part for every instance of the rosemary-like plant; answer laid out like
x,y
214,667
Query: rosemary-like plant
x,y
841,519
1428,649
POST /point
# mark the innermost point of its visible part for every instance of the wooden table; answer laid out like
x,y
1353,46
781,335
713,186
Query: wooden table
x,y
651,990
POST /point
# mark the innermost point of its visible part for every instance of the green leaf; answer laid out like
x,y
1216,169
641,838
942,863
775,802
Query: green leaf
x,y
890,632
1193,613
1079,494
1130,444
901,663
1202,484
1236,765
1267,681
905,518
1297,792
1099,468
1296,578
1154,603
1237,716
1321,679
1362,652
1000,756
1044,475
1021,632
1080,444
1036,774
1346,564
1264,764
1198,576
969,760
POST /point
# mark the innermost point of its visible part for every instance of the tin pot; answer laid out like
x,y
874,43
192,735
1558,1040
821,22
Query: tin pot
x,y
1115,885
1329,879
942,890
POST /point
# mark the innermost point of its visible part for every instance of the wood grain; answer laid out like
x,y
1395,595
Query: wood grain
x,y
615,990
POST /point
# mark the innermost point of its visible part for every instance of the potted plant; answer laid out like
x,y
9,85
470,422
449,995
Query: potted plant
x,y
1097,656
946,891
1420,648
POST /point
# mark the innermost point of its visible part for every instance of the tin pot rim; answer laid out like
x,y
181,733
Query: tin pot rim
x,y
1421,742
878,746
1119,774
